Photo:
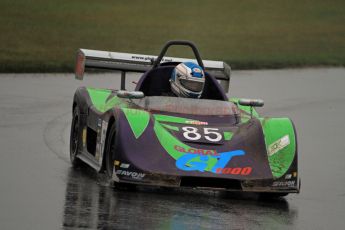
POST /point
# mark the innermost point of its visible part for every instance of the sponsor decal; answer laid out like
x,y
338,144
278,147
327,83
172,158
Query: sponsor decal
x,y
133,175
235,171
196,122
211,135
147,58
289,183
125,166
201,163
278,145
196,151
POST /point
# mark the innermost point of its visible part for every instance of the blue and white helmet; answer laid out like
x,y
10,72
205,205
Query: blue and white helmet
x,y
187,80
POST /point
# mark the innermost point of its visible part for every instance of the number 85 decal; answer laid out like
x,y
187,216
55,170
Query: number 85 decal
x,y
210,134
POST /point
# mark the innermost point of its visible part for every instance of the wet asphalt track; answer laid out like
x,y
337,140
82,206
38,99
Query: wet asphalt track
x,y
39,189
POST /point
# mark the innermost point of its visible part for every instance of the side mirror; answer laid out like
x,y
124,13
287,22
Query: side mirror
x,y
251,102
130,94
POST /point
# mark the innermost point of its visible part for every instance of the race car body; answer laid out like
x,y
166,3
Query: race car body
x,y
144,137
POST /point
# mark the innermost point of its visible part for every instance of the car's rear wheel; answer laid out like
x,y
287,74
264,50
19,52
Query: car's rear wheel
x,y
74,138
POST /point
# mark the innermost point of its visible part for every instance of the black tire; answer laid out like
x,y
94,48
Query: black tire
x,y
75,138
109,161
110,151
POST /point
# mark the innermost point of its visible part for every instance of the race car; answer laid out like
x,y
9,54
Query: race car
x,y
144,137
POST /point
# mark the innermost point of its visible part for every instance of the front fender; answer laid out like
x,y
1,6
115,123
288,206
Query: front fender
x,y
281,145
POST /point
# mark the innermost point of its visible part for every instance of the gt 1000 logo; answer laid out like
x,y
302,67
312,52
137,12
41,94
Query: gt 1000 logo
x,y
235,171
216,164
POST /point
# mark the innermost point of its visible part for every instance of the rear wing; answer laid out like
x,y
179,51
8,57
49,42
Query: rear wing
x,y
127,62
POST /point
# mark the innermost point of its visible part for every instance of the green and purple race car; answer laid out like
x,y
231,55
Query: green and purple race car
x,y
145,137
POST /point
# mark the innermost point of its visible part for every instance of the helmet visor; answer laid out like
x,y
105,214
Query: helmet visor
x,y
195,86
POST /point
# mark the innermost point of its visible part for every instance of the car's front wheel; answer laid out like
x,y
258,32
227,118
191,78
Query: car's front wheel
x,y
110,151
74,138
109,160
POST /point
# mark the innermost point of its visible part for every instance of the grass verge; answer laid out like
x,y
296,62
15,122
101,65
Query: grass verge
x,y
43,36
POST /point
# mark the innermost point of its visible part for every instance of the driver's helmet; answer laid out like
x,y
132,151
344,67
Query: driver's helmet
x,y
187,80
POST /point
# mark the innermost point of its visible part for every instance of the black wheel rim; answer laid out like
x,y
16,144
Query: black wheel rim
x,y
110,163
74,139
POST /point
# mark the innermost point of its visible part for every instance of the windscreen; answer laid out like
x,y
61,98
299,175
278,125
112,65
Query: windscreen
x,y
187,105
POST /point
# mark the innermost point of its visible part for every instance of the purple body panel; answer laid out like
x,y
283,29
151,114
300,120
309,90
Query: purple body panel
x,y
146,154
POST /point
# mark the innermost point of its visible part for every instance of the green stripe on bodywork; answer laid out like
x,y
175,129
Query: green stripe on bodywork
x,y
138,120
99,99
174,128
165,118
228,136
168,141
114,101
274,129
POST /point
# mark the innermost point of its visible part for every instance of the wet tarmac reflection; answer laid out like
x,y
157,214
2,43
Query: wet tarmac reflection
x,y
91,203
